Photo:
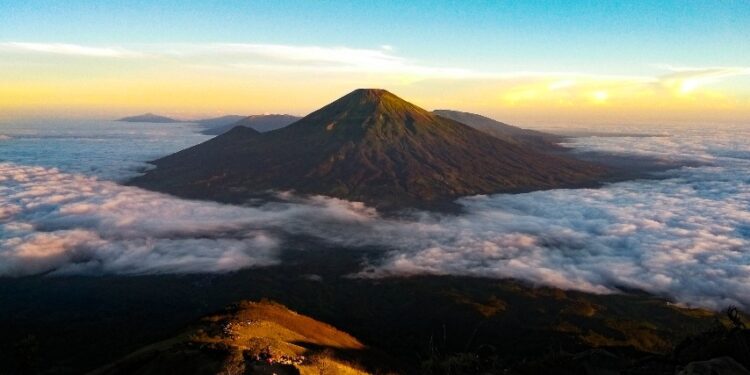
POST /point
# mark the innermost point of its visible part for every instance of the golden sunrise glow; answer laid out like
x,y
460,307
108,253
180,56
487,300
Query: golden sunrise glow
x,y
69,80
600,96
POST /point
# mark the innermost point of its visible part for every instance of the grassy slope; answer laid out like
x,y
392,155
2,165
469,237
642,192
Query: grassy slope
x,y
231,342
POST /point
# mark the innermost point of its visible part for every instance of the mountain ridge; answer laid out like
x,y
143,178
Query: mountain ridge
x,y
149,117
502,130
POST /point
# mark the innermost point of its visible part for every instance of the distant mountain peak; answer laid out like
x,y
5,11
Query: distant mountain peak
x,y
240,130
149,117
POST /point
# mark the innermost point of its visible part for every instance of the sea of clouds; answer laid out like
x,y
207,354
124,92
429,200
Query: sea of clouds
x,y
684,235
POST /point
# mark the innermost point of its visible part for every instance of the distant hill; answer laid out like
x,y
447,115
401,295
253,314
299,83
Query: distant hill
x,y
261,123
501,130
250,338
149,117
369,146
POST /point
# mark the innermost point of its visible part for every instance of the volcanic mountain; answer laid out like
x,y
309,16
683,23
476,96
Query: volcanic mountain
x,y
369,146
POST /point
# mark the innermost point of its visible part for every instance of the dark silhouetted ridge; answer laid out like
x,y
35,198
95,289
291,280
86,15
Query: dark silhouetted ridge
x,y
149,117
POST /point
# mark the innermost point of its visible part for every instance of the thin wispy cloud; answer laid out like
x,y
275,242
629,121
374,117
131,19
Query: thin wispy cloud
x,y
313,54
346,59
277,57
688,79
383,60
236,70
68,49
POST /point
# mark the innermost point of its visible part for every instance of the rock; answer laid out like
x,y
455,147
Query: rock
x,y
600,362
716,366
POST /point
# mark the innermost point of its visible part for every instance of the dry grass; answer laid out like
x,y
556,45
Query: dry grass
x,y
236,340
276,321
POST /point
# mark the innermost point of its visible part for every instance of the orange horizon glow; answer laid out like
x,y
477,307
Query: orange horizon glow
x,y
77,81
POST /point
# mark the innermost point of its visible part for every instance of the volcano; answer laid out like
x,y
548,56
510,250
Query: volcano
x,y
369,146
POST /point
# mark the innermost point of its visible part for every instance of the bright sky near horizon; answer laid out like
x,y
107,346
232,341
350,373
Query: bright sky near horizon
x,y
519,61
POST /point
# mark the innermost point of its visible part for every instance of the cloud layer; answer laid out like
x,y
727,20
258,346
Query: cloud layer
x,y
64,223
685,236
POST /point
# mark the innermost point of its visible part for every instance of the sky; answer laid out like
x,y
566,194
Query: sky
x,y
527,62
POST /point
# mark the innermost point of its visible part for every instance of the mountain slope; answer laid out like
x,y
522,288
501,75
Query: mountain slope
x,y
250,337
216,122
261,123
368,146
149,117
267,123
501,130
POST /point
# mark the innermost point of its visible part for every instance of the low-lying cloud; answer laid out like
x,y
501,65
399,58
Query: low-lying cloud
x,y
62,223
684,236
65,223
677,237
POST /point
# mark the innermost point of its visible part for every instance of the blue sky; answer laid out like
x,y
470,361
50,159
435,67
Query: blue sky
x,y
559,35
604,38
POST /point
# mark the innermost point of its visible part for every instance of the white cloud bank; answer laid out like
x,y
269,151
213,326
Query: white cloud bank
x,y
63,223
686,236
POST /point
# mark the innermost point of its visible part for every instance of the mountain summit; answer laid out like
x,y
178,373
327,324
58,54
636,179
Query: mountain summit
x,y
370,146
